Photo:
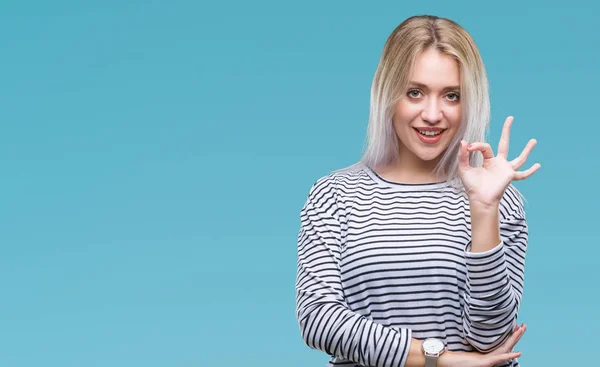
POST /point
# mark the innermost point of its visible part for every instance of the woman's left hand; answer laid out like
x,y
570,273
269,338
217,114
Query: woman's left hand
x,y
486,184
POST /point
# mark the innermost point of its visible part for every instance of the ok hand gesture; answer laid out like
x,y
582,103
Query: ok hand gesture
x,y
486,184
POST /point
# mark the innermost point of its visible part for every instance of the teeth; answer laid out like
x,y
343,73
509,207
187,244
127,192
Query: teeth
x,y
430,133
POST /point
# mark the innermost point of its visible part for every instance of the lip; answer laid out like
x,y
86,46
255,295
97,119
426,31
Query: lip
x,y
429,128
430,139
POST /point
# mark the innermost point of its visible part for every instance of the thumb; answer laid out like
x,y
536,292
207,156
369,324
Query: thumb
x,y
504,357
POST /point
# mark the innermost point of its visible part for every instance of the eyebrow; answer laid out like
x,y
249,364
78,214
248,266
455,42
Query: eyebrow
x,y
421,85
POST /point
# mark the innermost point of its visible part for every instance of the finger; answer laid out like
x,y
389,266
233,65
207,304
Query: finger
x,y
463,156
520,160
512,340
484,148
505,137
499,358
521,175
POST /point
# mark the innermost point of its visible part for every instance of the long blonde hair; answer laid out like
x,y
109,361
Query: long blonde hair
x,y
413,36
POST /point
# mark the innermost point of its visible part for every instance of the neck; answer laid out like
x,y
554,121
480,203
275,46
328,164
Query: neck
x,y
411,172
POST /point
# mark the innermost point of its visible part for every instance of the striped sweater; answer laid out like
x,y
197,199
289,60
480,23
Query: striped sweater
x,y
381,262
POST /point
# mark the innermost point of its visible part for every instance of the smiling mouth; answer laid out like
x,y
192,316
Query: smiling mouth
x,y
430,136
430,133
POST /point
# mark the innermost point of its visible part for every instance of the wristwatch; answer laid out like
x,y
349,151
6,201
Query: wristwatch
x,y
433,348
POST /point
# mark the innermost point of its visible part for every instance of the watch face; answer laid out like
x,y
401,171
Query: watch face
x,y
433,346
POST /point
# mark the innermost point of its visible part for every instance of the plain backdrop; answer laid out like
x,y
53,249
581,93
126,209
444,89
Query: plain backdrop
x,y
155,156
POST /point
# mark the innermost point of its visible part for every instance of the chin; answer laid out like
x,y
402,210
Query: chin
x,y
429,156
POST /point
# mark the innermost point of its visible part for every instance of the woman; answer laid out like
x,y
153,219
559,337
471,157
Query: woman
x,y
415,255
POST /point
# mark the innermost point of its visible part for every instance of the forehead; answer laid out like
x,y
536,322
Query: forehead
x,y
436,70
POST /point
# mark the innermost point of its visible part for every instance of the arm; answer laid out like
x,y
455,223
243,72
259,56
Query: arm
x,y
495,271
326,323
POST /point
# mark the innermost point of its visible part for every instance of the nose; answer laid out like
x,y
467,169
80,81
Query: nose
x,y
432,111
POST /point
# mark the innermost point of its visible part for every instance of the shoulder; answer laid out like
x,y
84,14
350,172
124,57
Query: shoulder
x,y
511,204
337,182
329,190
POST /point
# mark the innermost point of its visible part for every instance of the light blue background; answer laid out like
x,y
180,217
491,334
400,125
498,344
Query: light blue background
x,y
155,156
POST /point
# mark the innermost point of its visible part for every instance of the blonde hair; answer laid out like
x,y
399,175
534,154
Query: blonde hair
x,y
413,36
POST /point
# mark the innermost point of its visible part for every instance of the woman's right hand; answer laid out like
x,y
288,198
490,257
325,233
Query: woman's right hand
x,y
475,359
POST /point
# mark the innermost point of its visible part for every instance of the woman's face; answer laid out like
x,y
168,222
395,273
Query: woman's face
x,y
428,115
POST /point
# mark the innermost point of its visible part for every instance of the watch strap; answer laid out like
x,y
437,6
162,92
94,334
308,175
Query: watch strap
x,y
430,361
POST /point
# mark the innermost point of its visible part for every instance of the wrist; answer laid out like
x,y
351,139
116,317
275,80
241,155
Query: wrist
x,y
445,360
483,208
485,226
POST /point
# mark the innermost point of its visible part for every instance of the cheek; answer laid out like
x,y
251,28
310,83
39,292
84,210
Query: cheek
x,y
453,115
405,114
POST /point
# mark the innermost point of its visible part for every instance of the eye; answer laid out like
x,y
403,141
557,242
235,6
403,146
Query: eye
x,y
453,96
413,93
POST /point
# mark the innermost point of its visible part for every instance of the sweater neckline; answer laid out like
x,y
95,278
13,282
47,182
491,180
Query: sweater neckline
x,y
403,185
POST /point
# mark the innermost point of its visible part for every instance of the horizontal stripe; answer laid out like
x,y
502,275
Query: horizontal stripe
x,y
380,263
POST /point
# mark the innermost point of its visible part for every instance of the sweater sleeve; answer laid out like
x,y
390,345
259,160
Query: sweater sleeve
x,y
325,320
494,285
